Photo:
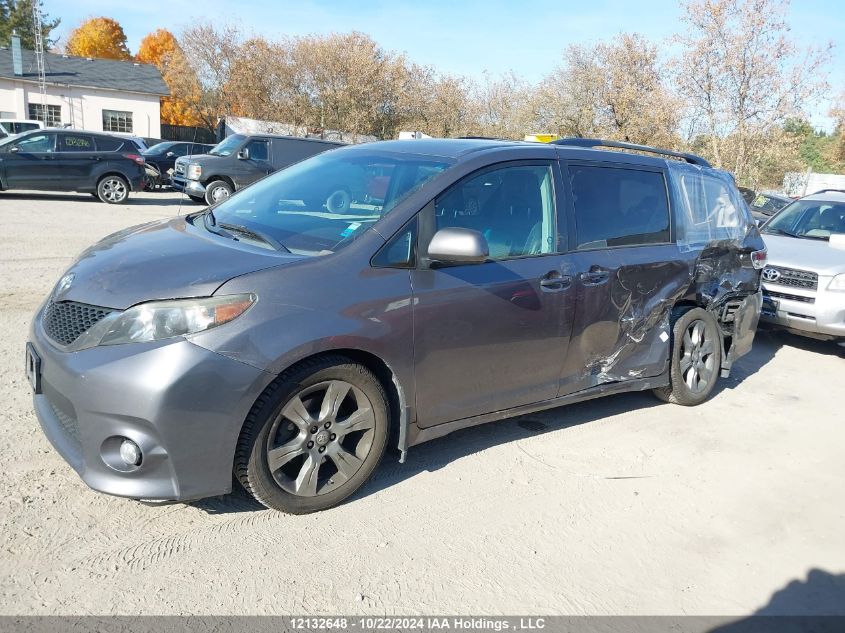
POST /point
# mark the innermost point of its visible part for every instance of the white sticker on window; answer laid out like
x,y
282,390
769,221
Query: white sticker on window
x,y
664,337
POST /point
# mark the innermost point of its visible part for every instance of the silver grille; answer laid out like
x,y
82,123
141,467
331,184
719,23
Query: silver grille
x,y
180,168
794,278
66,321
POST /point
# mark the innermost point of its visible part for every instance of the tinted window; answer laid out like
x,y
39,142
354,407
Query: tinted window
x,y
619,207
36,143
258,150
512,207
108,143
77,143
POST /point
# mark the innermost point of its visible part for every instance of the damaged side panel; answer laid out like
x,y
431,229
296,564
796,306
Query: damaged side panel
x,y
621,329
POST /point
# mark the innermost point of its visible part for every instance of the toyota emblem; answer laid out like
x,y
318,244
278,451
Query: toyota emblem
x,y
771,274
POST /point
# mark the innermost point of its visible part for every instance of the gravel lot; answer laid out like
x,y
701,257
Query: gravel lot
x,y
617,506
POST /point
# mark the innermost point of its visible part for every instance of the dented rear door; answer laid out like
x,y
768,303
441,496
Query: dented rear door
x,y
629,272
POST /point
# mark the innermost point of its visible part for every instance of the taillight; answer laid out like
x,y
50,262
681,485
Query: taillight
x,y
138,159
759,258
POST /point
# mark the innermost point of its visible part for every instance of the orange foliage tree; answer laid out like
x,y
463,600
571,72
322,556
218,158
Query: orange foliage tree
x,y
161,49
98,37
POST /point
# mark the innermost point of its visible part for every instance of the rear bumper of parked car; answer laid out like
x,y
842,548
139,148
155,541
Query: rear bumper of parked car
x,y
168,397
818,313
191,187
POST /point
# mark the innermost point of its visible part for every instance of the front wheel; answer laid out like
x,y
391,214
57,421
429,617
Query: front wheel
x,y
217,191
696,359
314,437
113,190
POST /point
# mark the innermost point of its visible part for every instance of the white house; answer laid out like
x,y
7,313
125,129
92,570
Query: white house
x,y
91,94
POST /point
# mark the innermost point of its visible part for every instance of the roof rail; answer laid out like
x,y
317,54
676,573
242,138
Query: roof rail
x,y
597,142
829,191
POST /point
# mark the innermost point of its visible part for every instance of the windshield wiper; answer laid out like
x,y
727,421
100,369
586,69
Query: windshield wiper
x,y
776,231
255,235
212,227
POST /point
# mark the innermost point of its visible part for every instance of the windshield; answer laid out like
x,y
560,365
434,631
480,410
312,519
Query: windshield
x,y
227,145
318,206
810,219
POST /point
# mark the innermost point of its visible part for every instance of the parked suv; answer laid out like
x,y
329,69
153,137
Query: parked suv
x,y
489,279
162,158
804,282
239,160
69,160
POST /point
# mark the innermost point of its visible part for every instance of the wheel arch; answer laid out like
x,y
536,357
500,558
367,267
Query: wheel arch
x,y
220,177
396,393
113,172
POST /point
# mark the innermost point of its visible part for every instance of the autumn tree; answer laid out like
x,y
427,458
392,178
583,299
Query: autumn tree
x,y
741,78
16,15
613,90
161,49
99,38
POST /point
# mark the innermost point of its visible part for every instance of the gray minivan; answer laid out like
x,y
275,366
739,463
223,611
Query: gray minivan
x,y
239,160
479,279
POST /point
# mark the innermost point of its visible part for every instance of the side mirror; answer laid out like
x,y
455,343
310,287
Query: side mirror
x,y
458,246
15,149
243,154
170,154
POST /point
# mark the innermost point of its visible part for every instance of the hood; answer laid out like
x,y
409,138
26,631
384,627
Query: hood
x,y
200,159
801,254
168,259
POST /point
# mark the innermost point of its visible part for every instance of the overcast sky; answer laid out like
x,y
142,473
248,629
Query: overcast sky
x,y
460,37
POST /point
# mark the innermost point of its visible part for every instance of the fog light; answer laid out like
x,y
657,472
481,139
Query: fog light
x,y
130,453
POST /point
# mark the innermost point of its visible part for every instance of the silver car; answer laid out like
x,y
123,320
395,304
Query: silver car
x,y
804,280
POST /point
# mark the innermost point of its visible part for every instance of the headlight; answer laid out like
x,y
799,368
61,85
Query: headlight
x,y
837,283
165,319
194,171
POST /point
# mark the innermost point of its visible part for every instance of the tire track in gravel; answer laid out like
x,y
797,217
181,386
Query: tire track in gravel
x,y
272,528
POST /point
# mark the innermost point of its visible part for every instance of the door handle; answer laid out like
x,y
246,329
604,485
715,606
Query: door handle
x,y
553,281
594,277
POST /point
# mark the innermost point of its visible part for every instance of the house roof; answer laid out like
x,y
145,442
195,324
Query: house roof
x,y
105,74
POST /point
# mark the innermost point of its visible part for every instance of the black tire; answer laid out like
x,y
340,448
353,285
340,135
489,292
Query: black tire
x,y
113,189
216,191
197,199
269,429
693,363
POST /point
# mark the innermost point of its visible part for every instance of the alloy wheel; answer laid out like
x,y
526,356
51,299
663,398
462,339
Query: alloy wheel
x,y
114,190
697,362
320,438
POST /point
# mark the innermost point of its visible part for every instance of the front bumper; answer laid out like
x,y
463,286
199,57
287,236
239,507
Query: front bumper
x,y
820,312
191,187
182,404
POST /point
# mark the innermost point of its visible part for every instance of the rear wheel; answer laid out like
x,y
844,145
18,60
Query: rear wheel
x,y
217,191
113,190
314,437
696,359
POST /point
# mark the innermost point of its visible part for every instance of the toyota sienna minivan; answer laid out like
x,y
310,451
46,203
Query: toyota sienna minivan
x,y
272,338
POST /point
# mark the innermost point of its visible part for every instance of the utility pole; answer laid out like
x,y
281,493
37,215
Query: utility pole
x,y
39,55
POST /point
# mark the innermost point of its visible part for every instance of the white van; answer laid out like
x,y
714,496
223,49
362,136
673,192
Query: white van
x,y
16,126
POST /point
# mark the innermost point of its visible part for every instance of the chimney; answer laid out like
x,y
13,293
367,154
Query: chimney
x,y
17,62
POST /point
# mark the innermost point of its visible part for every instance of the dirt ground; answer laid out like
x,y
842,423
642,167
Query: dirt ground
x,y
617,506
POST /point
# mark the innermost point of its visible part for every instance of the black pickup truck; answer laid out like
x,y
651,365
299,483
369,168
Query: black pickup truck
x,y
238,161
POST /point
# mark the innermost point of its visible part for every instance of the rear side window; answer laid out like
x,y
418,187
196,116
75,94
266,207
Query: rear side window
x,y
76,143
710,207
108,144
619,207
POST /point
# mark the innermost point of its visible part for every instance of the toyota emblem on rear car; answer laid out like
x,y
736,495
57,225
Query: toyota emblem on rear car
x,y
771,274
64,284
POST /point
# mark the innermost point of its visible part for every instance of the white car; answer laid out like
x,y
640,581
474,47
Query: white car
x,y
804,278
8,127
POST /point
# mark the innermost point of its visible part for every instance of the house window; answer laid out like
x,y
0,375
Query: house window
x,y
51,115
117,121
